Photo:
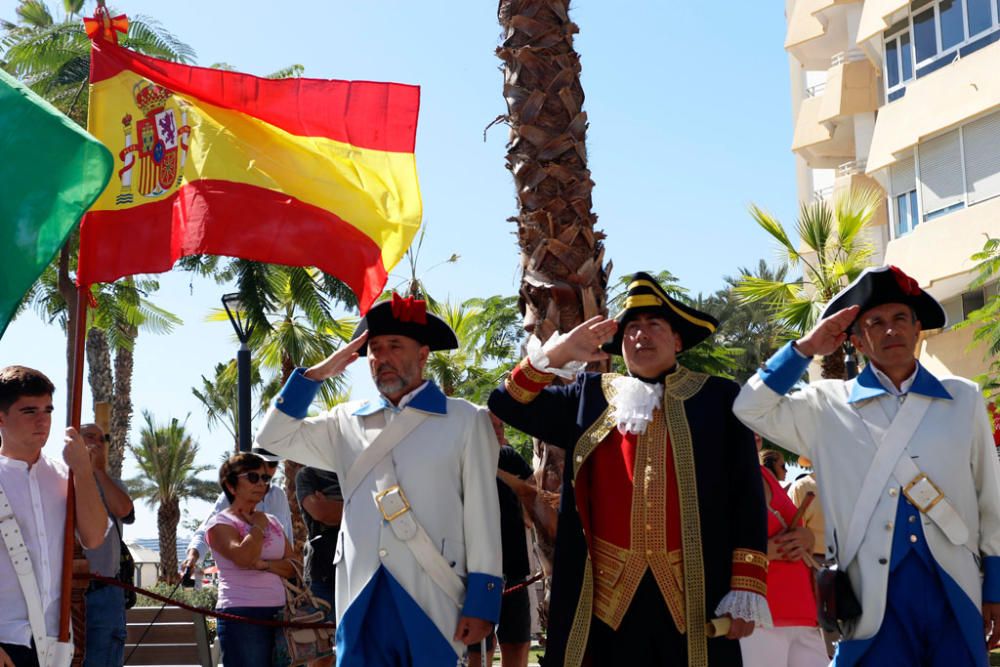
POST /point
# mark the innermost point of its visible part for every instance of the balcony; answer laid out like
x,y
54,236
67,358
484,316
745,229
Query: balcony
x,y
818,29
823,145
958,92
851,87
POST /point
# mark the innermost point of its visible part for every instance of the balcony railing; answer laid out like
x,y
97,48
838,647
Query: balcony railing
x,y
851,168
823,194
816,90
849,56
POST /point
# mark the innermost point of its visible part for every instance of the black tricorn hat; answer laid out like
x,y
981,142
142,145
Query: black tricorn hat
x,y
406,317
888,284
646,296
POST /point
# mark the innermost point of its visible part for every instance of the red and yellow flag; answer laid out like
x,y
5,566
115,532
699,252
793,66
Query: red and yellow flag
x,y
303,172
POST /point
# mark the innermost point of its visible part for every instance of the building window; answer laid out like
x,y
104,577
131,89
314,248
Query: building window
x,y
980,16
971,301
903,190
925,35
907,217
957,169
952,23
898,60
936,27
981,152
942,181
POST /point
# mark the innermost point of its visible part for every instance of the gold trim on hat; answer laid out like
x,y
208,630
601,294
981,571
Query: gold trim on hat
x,y
644,300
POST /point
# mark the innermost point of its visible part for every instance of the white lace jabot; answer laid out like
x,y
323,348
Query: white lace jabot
x,y
634,402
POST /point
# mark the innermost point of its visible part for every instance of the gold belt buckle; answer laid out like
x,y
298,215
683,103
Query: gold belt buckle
x,y
920,491
402,497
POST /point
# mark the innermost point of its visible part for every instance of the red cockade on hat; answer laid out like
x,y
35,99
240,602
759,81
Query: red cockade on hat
x,y
409,309
909,286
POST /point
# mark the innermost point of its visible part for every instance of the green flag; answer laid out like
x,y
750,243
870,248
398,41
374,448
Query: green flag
x,y
52,170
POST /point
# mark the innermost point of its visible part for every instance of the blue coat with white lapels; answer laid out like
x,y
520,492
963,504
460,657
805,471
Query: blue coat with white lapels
x,y
446,467
843,426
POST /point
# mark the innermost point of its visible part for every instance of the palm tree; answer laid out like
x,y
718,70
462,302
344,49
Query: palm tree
x,y
166,456
747,328
220,397
564,277
986,320
834,251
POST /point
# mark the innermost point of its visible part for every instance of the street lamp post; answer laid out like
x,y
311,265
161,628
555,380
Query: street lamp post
x,y
234,309
850,360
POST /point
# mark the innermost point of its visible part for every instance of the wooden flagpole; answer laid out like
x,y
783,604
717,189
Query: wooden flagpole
x,y
69,532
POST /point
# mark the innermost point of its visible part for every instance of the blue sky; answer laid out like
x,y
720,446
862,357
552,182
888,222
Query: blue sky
x,y
689,122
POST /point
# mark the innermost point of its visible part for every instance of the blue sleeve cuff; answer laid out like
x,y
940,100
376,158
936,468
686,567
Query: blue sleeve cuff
x,y
991,579
784,369
482,597
297,395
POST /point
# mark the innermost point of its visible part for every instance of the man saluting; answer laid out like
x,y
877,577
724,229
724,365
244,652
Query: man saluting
x,y
909,476
418,554
662,522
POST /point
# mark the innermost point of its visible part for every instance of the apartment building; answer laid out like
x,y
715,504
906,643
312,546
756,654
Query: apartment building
x,y
905,96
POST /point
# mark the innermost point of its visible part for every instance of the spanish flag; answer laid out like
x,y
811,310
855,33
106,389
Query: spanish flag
x,y
303,172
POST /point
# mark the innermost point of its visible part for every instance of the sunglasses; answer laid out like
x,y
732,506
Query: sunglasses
x,y
254,477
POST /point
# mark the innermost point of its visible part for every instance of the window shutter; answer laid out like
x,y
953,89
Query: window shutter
x,y
941,183
982,157
902,178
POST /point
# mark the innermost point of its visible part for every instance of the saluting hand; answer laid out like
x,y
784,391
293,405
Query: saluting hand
x,y
337,362
828,334
584,342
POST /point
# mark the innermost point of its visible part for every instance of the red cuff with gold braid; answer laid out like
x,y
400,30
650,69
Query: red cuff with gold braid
x,y
749,571
525,382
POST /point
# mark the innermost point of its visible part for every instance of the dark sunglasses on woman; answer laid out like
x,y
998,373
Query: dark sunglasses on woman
x,y
253,477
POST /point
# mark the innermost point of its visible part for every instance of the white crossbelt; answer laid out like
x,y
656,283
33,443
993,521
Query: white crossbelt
x,y
892,460
51,652
393,505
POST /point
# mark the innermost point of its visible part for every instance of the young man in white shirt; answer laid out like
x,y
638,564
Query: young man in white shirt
x,y
36,489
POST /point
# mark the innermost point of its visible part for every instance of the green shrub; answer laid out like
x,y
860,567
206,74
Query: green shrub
x,y
203,598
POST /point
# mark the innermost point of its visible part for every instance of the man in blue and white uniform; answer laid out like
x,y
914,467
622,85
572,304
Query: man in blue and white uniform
x,y
908,473
418,557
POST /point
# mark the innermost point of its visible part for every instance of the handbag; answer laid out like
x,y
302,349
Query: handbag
x,y
837,604
299,646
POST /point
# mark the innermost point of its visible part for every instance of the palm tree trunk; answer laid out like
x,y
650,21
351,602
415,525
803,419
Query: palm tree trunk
x,y
833,366
564,279
168,515
121,404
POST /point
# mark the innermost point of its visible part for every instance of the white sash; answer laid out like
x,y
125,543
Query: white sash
x,y
51,652
392,503
891,459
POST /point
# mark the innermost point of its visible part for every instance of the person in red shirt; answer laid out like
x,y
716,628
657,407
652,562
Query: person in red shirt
x,y
795,639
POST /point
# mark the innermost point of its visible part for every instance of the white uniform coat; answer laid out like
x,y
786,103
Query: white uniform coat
x,y
953,446
446,467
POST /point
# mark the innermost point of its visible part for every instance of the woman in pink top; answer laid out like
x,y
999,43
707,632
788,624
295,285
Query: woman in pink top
x,y
795,639
253,556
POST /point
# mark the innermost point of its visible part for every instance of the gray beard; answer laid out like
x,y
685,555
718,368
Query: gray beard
x,y
391,386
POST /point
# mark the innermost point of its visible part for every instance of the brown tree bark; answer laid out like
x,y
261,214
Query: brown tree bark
x,y
121,404
168,515
564,278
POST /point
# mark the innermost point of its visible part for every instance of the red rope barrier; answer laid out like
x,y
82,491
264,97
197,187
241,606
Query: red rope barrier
x,y
208,612
111,581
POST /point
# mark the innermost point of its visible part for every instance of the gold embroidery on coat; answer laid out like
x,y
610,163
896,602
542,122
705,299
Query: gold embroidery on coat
x,y
678,387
